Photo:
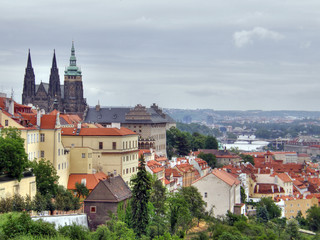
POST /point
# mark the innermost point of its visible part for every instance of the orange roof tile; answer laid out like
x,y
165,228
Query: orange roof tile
x,y
48,122
91,179
284,177
226,177
97,132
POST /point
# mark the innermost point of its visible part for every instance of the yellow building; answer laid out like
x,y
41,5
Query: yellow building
x,y
42,136
292,206
9,187
114,150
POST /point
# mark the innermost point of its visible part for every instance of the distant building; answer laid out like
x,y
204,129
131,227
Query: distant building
x,y
49,96
150,123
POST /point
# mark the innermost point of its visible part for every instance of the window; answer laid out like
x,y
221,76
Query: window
x,y
83,155
58,166
127,171
58,152
100,145
114,145
58,137
42,137
124,172
132,169
93,209
6,123
42,154
205,194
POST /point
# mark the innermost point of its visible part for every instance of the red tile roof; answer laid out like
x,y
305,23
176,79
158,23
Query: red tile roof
x,y
226,177
169,171
268,188
97,132
91,179
48,122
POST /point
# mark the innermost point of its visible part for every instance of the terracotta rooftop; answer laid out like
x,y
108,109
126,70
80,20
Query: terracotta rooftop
x,y
91,179
97,132
48,122
268,188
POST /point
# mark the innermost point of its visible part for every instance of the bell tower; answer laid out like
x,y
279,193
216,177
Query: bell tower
x,y
73,88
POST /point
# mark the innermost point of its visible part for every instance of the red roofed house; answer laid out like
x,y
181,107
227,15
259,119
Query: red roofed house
x,y
200,165
220,190
173,179
267,190
155,168
114,150
224,157
188,173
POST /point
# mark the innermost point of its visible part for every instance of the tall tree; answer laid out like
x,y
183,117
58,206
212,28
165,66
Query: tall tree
x,y
13,158
273,210
141,186
194,199
209,158
46,177
211,143
313,218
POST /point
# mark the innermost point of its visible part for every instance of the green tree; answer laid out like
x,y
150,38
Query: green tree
x,y
158,196
18,203
273,210
13,158
262,214
39,203
65,200
194,200
313,218
209,158
141,186
46,177
292,229
179,213
247,158
243,194
211,143
81,190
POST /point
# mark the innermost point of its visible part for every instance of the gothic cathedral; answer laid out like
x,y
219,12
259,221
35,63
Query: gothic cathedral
x,y
67,98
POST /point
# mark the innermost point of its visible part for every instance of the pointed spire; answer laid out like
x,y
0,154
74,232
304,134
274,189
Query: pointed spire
x,y
54,61
73,60
29,64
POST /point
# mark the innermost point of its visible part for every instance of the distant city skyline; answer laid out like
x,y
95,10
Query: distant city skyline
x,y
222,55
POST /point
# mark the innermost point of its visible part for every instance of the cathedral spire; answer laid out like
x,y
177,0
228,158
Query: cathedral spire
x,y
54,90
29,63
29,83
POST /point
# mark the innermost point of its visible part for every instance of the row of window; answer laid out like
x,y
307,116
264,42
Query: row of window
x,y
126,145
32,155
63,166
34,138
129,170
130,157
83,155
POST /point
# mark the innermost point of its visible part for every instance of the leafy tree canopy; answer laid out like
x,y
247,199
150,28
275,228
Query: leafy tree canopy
x,y
13,158
46,177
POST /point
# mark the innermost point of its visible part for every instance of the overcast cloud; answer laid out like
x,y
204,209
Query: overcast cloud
x,y
222,54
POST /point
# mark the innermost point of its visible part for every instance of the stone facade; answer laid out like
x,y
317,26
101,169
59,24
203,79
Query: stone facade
x,y
65,98
150,123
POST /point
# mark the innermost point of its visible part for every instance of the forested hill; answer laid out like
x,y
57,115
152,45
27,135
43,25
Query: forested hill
x,y
199,115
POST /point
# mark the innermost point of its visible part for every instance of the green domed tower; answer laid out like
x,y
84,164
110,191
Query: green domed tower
x,y
73,88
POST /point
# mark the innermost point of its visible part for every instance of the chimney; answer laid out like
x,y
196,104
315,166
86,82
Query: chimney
x,y
38,117
98,106
10,105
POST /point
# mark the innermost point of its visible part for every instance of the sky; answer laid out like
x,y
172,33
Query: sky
x,y
189,54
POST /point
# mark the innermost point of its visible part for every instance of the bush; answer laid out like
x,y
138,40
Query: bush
x,y
75,232
22,224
